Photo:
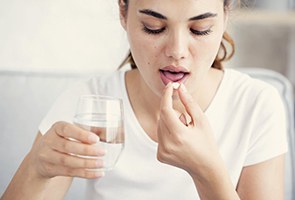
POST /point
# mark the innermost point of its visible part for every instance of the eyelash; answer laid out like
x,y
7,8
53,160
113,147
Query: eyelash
x,y
153,31
201,33
158,31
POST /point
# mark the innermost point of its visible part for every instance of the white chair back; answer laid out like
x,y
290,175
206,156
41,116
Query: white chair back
x,y
285,88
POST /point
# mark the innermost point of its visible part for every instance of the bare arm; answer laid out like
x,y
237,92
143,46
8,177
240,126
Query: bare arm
x,y
263,181
192,148
213,184
47,170
26,184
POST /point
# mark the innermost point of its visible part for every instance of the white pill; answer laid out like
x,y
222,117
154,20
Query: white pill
x,y
175,85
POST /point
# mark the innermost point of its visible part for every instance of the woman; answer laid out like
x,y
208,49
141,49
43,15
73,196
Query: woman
x,y
216,136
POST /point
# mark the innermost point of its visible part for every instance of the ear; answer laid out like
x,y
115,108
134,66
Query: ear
x,y
123,13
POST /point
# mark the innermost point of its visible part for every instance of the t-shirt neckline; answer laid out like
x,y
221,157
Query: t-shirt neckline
x,y
140,132
132,117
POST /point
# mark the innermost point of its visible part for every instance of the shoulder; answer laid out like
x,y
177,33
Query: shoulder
x,y
261,114
100,84
252,95
243,84
106,78
64,107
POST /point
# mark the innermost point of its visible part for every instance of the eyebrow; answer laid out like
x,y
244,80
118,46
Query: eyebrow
x,y
153,14
160,16
203,16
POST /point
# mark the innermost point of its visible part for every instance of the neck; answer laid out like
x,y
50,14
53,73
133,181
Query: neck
x,y
145,103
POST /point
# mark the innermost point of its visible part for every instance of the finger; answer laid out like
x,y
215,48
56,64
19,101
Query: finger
x,y
68,130
191,107
167,96
66,160
167,113
72,147
76,172
182,118
85,173
161,129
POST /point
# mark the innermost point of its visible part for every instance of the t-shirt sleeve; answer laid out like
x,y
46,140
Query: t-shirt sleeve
x,y
269,130
64,107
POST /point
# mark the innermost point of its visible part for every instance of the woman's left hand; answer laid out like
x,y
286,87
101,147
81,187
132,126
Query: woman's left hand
x,y
189,146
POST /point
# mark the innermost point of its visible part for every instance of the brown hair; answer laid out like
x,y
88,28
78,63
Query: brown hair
x,y
223,54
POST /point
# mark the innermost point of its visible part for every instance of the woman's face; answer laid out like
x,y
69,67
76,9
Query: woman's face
x,y
173,40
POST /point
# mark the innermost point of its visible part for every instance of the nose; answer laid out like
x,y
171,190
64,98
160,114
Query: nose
x,y
177,46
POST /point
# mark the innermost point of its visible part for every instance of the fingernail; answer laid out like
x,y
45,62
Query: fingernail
x,y
99,163
182,86
99,174
93,138
169,84
102,174
101,151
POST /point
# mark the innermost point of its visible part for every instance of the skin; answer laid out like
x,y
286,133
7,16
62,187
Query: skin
x,y
176,46
192,147
186,140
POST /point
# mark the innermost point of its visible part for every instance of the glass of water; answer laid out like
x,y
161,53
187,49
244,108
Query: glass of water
x,y
103,116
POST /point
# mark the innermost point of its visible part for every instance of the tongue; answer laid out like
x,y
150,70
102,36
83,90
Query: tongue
x,y
173,76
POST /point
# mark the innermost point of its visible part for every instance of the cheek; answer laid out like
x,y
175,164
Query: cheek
x,y
208,49
143,49
136,47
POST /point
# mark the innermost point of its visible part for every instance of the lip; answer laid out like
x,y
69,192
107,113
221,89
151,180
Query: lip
x,y
178,78
176,69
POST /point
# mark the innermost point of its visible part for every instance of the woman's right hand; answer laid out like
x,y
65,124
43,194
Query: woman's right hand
x,y
54,153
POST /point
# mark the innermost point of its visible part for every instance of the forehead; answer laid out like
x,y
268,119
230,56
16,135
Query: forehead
x,y
178,8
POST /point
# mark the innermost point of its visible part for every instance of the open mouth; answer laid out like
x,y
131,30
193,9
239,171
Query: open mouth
x,y
173,75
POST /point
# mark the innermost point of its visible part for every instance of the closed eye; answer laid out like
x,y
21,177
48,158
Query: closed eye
x,y
153,31
158,31
201,33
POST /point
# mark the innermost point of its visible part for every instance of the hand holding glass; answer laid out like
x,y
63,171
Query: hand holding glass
x,y
103,116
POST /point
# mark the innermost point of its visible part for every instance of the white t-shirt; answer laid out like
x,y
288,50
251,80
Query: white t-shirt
x,y
246,115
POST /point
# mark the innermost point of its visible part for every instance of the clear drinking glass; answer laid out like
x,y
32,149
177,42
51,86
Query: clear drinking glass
x,y
103,116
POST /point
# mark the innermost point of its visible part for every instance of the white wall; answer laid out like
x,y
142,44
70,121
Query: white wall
x,y
61,35
75,35
264,39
